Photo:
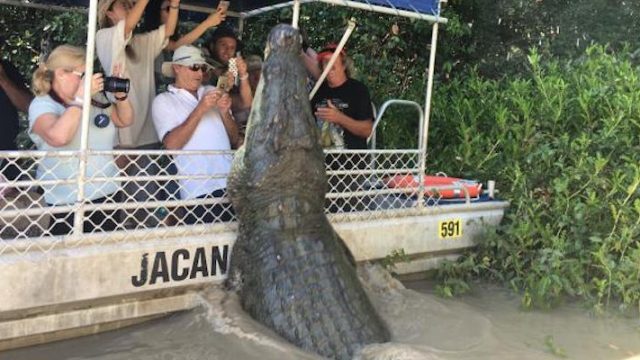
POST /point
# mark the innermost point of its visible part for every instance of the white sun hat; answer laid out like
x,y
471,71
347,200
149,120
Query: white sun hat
x,y
185,55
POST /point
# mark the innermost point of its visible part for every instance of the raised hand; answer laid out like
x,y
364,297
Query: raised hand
x,y
209,100
330,113
242,67
217,17
118,72
97,85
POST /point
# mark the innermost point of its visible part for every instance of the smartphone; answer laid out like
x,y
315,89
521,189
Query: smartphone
x,y
223,82
224,5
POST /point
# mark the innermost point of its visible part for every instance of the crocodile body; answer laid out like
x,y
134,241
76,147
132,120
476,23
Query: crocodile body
x,y
291,269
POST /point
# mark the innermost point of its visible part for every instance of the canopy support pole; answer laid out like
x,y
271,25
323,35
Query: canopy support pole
x,y
296,14
240,28
84,125
334,57
427,114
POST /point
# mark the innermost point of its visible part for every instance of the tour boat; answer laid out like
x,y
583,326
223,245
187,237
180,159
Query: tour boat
x,y
57,287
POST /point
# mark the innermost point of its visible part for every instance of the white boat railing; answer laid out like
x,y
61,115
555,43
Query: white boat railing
x,y
372,140
148,205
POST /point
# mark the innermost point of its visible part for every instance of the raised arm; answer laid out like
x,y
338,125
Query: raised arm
x,y
310,61
213,20
172,21
230,125
179,136
18,94
60,130
123,114
134,16
246,97
331,113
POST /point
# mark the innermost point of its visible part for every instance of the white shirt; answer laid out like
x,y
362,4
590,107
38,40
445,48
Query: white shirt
x,y
110,46
170,109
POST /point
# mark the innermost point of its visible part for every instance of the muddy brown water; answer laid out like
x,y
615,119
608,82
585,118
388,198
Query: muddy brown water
x,y
486,324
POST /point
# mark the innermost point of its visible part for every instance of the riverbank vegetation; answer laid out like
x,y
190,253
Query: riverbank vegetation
x,y
540,96
562,140
548,106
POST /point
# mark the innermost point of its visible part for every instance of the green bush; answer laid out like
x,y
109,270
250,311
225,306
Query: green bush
x,y
563,143
503,31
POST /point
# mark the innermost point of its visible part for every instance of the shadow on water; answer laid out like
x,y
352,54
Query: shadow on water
x,y
485,325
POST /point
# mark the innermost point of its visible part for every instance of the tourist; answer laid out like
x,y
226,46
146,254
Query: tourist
x,y
254,68
190,116
344,101
224,49
343,106
14,97
55,125
116,43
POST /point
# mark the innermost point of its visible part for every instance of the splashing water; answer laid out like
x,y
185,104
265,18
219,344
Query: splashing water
x,y
487,325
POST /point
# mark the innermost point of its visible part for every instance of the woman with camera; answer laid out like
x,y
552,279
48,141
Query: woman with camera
x,y
54,125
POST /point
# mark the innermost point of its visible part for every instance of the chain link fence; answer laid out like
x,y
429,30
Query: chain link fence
x,y
148,197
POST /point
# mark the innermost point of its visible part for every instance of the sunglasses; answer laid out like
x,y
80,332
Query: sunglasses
x,y
198,67
78,73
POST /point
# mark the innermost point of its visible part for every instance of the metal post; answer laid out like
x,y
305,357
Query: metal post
x,y
84,125
427,114
296,13
334,57
240,27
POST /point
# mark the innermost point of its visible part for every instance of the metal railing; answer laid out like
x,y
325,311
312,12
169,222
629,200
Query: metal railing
x,y
144,199
383,109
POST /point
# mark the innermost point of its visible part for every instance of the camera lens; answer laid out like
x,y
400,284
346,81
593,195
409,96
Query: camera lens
x,y
115,84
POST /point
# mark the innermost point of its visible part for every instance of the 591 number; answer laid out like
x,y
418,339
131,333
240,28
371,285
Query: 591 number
x,y
449,229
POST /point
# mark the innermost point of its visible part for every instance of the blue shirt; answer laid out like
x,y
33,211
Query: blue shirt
x,y
54,167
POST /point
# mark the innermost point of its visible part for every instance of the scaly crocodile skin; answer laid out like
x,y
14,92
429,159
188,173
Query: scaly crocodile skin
x,y
291,269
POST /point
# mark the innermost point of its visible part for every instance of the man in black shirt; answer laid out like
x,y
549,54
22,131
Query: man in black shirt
x,y
344,101
14,97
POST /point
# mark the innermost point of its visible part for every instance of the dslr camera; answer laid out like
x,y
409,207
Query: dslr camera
x,y
114,84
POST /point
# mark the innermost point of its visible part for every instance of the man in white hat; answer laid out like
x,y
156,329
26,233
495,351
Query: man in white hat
x,y
190,116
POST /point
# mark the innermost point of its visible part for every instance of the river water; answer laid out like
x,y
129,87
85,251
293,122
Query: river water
x,y
486,324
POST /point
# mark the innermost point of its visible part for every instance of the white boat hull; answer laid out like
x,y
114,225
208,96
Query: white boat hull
x,y
71,290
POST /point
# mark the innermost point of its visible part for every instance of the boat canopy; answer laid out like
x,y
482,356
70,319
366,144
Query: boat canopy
x,y
424,9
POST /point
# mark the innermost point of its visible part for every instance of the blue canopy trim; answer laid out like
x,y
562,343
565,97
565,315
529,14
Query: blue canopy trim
x,y
427,7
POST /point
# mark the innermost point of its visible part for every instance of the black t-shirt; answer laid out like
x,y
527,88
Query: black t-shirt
x,y
352,98
8,112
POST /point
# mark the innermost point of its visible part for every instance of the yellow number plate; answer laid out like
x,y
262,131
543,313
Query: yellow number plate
x,y
449,229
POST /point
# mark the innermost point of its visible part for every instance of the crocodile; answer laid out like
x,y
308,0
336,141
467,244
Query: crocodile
x,y
291,270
